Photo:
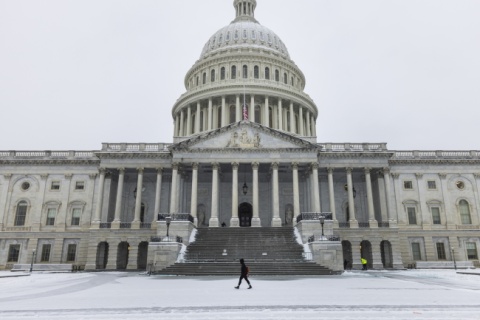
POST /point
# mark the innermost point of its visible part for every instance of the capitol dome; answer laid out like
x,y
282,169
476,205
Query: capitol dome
x,y
244,73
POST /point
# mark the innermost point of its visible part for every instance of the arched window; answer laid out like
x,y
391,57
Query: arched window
x,y
285,78
197,81
204,78
142,212
291,81
222,73
256,72
464,208
233,109
245,72
267,73
234,73
21,213
277,75
212,76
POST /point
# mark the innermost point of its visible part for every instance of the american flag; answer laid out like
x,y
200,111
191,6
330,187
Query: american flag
x,y
245,111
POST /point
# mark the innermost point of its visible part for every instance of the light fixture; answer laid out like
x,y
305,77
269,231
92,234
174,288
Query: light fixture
x,y
353,189
322,221
135,191
245,188
168,219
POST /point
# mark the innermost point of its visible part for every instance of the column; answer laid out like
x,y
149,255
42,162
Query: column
x,y
276,221
234,220
210,113
193,202
98,209
189,121
176,130
331,195
182,120
223,121
388,196
214,217
267,114
255,201
3,199
300,121
158,196
173,190
313,127
296,194
316,189
307,122
138,200
292,119
424,213
371,210
351,204
118,203
238,109
280,114
197,118
251,115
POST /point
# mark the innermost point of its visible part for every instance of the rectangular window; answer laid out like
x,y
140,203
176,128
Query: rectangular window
x,y
76,213
80,185
417,255
71,252
407,185
412,215
21,214
45,257
55,185
431,185
436,215
13,253
472,251
51,214
441,251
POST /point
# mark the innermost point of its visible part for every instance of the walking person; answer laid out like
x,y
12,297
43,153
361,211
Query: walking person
x,y
243,275
364,263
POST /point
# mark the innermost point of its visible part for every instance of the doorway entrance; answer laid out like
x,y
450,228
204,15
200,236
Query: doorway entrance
x,y
245,212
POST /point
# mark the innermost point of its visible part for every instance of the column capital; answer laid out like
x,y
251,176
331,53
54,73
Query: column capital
x,y
140,169
275,165
295,165
215,165
7,175
159,170
92,176
367,170
121,170
349,170
476,174
175,165
235,165
68,176
102,170
386,170
330,170
395,175
314,165
44,176
419,175
255,165
195,165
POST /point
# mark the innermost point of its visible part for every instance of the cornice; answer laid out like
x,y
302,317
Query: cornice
x,y
50,162
354,155
133,155
435,161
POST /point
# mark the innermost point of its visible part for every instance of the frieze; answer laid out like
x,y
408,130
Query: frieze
x,y
244,140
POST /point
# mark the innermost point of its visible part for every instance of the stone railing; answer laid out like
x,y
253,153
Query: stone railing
x,y
135,147
410,155
47,154
353,147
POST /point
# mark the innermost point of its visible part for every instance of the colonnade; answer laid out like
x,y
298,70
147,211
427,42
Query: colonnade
x,y
275,113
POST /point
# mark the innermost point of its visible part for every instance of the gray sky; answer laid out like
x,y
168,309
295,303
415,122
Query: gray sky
x,y
74,74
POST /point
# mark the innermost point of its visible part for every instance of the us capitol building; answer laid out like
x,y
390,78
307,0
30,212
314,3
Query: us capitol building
x,y
244,155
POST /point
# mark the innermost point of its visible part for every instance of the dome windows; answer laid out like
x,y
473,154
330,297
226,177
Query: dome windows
x,y
256,73
254,35
222,73
244,34
204,79
262,38
228,36
236,35
234,72
245,72
267,73
212,76
277,76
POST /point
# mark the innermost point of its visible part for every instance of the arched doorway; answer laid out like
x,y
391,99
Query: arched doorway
x,y
142,255
102,255
122,255
245,212
366,252
386,252
347,254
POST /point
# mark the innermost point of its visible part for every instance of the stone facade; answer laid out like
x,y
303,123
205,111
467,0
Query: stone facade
x,y
244,154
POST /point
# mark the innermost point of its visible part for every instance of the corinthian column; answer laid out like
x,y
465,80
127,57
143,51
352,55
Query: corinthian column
x,y
256,217
193,202
331,196
296,194
388,191
173,192
197,118
351,203
234,220
371,209
158,196
138,200
214,217
276,221
280,114
98,209
118,203
316,189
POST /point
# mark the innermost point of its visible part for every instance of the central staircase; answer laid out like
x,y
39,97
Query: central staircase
x,y
266,251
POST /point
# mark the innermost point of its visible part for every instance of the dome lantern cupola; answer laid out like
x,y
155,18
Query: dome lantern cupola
x,y
245,10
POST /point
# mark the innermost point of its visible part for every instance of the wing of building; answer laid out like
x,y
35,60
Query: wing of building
x,y
244,156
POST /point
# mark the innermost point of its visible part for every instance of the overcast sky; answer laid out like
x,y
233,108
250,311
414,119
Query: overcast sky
x,y
74,74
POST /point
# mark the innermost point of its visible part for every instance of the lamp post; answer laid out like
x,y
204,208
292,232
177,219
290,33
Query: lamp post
x,y
322,221
33,260
168,219
453,256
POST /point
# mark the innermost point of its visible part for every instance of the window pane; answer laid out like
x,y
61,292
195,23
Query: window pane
x,y
412,217
21,214
432,185
55,185
45,252
13,253
416,251
51,213
407,185
79,185
441,251
76,213
71,251
465,212
436,215
472,251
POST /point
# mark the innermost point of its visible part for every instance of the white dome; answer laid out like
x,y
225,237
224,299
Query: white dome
x,y
245,34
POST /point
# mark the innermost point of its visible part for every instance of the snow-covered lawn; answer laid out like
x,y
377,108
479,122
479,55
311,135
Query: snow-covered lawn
x,y
410,294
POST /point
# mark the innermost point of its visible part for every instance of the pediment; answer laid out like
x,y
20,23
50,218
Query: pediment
x,y
244,135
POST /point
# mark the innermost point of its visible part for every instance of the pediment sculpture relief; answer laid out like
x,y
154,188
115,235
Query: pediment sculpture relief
x,y
244,140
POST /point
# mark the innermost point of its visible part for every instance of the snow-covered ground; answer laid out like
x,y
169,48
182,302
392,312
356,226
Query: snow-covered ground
x,y
410,294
